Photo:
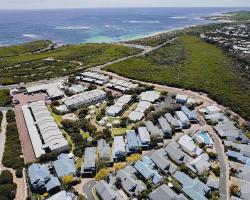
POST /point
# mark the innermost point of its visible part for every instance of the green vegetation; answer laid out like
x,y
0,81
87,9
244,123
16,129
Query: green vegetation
x,y
24,48
5,98
191,63
7,186
241,16
61,61
13,151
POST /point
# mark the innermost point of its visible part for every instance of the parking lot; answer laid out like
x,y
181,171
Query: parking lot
x,y
28,152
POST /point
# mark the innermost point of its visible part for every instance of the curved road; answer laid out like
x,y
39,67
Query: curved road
x,y
87,189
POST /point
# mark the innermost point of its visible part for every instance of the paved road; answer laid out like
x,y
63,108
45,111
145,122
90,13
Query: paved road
x,y
144,52
87,189
2,136
223,163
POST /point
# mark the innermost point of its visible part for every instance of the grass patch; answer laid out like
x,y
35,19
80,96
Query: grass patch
x,y
66,60
241,16
5,98
194,65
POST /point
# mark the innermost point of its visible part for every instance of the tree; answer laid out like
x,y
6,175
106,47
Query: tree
x,y
184,168
6,177
92,87
216,171
212,155
102,174
123,122
234,190
118,183
154,140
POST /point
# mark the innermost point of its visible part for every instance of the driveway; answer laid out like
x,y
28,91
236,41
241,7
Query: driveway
x,y
87,189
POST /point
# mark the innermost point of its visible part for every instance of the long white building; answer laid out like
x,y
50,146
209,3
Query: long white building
x,y
43,131
88,97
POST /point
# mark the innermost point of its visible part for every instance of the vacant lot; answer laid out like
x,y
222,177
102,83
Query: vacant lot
x,y
193,64
18,65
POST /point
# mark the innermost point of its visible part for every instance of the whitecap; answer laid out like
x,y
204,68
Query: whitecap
x,y
33,36
141,22
71,27
179,17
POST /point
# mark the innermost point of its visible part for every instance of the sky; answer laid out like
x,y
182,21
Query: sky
x,y
50,4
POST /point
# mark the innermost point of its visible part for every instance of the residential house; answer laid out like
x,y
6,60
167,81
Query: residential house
x,y
64,166
118,149
193,188
104,151
187,144
190,114
165,193
143,137
132,145
41,180
147,172
154,130
88,168
106,191
162,162
200,164
173,122
166,128
180,98
130,184
182,118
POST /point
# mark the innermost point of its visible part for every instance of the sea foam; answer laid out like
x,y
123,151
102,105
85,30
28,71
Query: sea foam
x,y
72,27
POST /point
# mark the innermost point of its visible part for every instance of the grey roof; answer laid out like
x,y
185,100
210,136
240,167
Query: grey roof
x,y
188,145
53,89
244,173
150,96
200,164
194,188
239,156
78,100
51,134
160,161
175,153
104,150
130,184
172,120
190,114
227,129
38,173
64,166
131,139
118,145
52,183
106,191
143,135
89,158
62,195
166,128
182,117
165,193
154,130
147,172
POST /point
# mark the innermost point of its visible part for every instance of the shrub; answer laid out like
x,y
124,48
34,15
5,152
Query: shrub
x,y
102,174
19,173
7,187
216,171
5,99
6,177
12,152
133,158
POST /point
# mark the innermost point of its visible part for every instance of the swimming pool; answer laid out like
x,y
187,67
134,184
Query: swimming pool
x,y
202,136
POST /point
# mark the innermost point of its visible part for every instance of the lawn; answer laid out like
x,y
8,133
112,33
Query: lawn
x,y
31,67
193,64
5,98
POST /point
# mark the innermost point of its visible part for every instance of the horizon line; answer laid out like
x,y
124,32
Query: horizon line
x,y
244,7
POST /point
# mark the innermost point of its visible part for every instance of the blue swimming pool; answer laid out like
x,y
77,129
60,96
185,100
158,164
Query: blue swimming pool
x,y
203,134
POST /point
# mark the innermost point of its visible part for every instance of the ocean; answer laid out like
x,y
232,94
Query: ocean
x,y
73,26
